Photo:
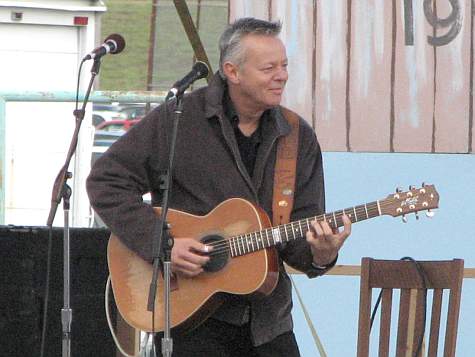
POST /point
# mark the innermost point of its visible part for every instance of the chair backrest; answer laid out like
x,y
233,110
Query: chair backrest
x,y
403,275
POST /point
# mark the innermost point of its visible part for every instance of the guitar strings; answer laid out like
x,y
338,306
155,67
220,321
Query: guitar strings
x,y
223,247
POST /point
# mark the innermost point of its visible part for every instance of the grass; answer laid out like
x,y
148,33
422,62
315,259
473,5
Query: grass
x,y
173,52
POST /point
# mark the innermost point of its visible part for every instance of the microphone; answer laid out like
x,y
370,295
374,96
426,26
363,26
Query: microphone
x,y
199,70
113,44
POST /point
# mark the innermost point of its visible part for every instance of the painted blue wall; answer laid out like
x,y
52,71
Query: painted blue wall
x,y
356,178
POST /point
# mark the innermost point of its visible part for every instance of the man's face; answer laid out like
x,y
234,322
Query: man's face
x,y
262,76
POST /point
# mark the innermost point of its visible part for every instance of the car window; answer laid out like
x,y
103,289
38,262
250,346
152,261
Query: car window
x,y
113,127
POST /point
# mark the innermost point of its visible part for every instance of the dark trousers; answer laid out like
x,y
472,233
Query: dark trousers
x,y
219,339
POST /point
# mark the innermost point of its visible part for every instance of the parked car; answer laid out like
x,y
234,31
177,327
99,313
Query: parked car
x,y
97,119
133,112
130,111
116,125
106,111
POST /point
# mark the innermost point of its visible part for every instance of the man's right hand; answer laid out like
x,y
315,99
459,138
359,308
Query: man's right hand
x,y
187,256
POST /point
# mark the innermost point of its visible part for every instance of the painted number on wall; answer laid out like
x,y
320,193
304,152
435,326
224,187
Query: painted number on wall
x,y
453,22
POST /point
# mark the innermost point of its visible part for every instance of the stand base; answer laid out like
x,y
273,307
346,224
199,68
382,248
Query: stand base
x,y
167,347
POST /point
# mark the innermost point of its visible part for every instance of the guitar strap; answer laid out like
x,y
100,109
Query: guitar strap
x,y
285,170
283,199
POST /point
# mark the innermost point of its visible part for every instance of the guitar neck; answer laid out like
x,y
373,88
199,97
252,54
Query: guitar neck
x,y
254,241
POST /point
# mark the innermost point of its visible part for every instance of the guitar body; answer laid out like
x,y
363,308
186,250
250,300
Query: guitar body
x,y
192,300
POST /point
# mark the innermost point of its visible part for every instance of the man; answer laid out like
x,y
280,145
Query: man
x,y
226,148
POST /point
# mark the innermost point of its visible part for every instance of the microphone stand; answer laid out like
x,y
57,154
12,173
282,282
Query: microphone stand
x,y
162,246
61,190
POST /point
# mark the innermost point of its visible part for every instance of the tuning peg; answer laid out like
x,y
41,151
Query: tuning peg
x,y
430,213
423,184
398,189
404,218
416,214
411,187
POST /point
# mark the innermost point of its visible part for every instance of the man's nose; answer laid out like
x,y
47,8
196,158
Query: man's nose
x,y
282,74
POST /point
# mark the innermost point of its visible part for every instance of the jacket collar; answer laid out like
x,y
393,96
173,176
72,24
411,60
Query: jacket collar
x,y
214,105
214,96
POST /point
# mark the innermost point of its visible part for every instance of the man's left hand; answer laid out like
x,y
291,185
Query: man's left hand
x,y
325,241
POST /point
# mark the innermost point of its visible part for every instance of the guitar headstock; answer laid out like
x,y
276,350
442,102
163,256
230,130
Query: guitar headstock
x,y
411,201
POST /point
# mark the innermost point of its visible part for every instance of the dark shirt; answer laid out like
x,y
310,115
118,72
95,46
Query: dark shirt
x,y
248,145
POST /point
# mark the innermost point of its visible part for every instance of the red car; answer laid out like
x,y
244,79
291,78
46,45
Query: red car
x,y
116,125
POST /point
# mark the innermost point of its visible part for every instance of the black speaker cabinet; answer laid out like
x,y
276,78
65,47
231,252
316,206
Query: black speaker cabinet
x,y
23,252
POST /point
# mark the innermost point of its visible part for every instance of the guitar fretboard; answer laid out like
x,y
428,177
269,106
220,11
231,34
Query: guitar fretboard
x,y
254,241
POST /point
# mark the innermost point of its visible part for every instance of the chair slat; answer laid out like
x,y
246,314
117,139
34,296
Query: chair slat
x,y
435,323
385,326
403,321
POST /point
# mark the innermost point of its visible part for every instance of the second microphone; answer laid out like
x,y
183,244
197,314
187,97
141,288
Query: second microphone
x,y
199,70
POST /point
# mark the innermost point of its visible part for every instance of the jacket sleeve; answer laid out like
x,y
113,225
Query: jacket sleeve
x,y
309,199
118,181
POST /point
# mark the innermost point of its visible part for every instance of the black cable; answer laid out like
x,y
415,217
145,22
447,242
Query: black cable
x,y
49,252
375,309
425,281
77,84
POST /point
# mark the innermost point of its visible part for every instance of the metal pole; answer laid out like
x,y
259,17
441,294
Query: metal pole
x,y
151,45
66,311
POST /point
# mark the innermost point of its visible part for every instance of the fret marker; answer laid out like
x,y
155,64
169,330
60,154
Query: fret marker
x,y
276,235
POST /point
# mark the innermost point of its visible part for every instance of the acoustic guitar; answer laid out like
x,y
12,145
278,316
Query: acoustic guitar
x,y
243,260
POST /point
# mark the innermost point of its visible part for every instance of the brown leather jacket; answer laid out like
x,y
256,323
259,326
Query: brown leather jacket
x,y
208,170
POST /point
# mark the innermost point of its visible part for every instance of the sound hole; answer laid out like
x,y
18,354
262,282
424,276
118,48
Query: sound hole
x,y
217,261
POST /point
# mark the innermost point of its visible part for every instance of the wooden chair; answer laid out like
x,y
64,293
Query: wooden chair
x,y
398,274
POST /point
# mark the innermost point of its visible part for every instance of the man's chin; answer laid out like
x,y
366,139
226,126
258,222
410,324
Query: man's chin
x,y
274,97
275,102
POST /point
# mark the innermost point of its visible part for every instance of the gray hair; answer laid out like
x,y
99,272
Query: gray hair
x,y
230,48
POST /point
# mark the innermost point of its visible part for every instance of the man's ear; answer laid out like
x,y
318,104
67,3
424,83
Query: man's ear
x,y
231,71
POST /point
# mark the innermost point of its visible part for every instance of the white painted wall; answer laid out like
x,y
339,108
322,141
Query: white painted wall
x,y
42,52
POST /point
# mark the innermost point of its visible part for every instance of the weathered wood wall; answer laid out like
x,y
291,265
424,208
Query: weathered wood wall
x,y
378,76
